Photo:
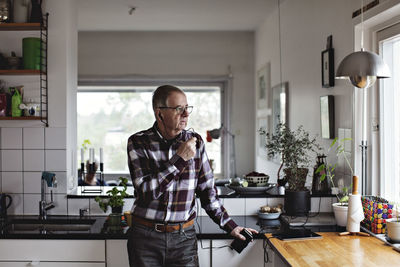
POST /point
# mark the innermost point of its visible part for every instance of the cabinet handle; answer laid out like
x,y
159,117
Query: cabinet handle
x,y
34,263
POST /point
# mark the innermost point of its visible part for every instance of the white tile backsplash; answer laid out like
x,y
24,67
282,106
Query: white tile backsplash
x,y
33,160
11,160
33,138
31,204
94,208
12,182
128,204
11,138
32,182
17,205
61,183
253,205
56,138
74,204
273,202
55,160
321,204
60,202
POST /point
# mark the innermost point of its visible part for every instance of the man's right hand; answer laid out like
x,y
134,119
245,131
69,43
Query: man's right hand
x,y
187,149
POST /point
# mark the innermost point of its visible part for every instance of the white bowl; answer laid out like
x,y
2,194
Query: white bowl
x,y
269,216
393,230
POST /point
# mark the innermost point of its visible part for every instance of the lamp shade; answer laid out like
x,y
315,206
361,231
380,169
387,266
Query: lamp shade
x,y
362,68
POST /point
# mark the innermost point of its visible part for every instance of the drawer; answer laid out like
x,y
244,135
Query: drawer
x,y
52,250
51,264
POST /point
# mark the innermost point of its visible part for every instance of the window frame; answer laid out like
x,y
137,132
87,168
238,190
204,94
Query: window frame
x,y
224,82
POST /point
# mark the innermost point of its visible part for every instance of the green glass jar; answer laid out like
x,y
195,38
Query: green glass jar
x,y
31,47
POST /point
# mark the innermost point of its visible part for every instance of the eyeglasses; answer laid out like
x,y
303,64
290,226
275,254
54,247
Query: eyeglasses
x,y
180,110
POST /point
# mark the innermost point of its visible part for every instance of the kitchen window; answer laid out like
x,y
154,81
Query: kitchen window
x,y
108,115
389,110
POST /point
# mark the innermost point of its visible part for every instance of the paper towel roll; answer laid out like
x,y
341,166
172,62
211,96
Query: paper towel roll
x,y
355,213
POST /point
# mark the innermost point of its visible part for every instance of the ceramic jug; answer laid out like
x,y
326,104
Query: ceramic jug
x,y
3,204
21,8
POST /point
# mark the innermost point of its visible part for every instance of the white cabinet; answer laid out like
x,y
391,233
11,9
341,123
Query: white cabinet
x,y
252,255
204,252
50,264
60,253
117,253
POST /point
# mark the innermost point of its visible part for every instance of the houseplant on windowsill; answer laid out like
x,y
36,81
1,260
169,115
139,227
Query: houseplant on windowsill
x,y
327,171
115,199
294,148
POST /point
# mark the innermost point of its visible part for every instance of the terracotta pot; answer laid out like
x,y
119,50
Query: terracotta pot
x,y
340,211
296,178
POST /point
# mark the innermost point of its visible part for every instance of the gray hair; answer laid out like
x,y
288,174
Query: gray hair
x,y
161,94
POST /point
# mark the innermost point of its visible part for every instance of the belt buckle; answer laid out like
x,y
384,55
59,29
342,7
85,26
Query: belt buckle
x,y
156,227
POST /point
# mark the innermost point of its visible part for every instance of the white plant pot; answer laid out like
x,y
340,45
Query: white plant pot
x,y
340,214
393,230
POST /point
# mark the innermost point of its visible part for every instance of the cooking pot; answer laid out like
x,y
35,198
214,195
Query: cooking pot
x,y
3,204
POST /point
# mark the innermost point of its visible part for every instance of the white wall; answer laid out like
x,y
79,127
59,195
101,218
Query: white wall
x,y
186,54
305,26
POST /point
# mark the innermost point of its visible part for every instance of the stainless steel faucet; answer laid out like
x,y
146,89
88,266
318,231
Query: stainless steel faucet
x,y
48,180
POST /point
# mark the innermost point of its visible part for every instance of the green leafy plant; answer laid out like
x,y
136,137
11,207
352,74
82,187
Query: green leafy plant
x,y
294,148
85,144
115,196
327,171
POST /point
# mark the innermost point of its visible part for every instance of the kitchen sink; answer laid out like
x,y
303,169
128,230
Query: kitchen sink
x,y
54,224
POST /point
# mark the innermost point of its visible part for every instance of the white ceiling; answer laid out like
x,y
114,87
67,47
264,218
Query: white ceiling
x,y
173,15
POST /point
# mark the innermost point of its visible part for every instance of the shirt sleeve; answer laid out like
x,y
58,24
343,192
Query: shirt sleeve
x,y
207,193
150,182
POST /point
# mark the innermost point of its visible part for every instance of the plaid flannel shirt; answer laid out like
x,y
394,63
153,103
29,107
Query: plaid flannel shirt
x,y
166,185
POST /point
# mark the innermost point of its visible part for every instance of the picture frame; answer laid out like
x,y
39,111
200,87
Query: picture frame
x,y
327,68
263,85
327,110
262,124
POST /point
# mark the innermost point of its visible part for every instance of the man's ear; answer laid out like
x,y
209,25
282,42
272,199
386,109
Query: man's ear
x,y
160,116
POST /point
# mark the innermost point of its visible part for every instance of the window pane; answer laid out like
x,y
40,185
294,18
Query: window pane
x,y
108,118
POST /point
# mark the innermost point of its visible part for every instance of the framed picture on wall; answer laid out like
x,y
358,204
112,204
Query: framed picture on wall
x,y
327,68
262,124
279,105
263,85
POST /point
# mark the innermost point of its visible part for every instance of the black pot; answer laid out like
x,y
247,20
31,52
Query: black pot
x,y
117,210
297,203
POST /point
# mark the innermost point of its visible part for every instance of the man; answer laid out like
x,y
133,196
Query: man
x,y
169,166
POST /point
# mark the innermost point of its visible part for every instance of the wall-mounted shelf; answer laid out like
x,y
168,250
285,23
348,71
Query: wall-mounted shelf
x,y
19,118
20,72
42,73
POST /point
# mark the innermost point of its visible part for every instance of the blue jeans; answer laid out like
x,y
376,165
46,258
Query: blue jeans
x,y
148,248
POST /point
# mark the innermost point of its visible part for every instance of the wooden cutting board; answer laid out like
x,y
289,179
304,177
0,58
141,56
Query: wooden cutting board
x,y
335,250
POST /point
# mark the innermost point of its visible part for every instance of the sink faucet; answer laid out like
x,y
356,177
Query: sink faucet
x,y
49,180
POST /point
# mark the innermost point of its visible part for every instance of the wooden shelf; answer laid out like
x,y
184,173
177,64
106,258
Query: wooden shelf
x,y
20,72
19,26
19,118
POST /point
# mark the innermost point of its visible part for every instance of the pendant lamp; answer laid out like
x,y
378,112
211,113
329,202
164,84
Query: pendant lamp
x,y
362,69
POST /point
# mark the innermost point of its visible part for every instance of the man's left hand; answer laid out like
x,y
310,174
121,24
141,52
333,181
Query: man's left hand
x,y
236,232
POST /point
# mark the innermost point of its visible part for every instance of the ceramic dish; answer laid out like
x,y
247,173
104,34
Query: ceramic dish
x,y
251,190
269,216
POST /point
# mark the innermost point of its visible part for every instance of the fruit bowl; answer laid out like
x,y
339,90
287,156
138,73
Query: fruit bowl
x,y
256,178
269,215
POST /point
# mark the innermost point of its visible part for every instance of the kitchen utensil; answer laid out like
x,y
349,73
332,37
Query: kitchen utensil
x,y
3,204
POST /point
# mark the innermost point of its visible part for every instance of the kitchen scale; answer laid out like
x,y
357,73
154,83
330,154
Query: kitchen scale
x,y
296,234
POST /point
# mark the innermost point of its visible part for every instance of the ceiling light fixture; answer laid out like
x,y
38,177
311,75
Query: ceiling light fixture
x,y
362,69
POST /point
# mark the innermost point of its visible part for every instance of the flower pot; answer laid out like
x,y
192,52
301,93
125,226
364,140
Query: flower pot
x,y
117,210
393,230
296,178
297,203
340,212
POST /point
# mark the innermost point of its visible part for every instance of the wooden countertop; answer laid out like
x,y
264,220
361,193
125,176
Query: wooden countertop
x,y
335,250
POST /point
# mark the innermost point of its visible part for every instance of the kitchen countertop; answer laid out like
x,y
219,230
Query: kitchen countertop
x,y
223,192
96,227
335,250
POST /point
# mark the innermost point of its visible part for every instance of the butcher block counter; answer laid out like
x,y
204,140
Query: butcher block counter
x,y
335,250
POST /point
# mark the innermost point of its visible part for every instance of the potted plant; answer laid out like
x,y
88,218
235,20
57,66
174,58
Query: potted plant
x,y
115,199
327,171
393,225
294,149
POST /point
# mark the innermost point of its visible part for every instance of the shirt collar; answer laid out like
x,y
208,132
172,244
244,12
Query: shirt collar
x,y
171,141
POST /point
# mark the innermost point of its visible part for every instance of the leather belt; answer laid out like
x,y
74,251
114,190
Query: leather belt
x,y
162,227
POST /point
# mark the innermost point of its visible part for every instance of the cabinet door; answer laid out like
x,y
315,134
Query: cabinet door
x,y
252,255
117,253
51,264
204,251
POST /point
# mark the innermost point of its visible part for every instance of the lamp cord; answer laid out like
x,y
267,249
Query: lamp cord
x,y
362,25
280,41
